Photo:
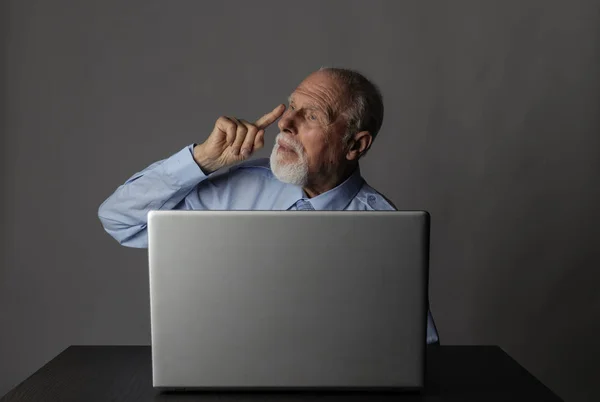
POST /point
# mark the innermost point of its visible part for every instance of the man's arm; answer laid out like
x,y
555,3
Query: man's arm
x,y
165,184
161,186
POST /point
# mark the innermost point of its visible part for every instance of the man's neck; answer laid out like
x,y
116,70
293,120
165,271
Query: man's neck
x,y
323,184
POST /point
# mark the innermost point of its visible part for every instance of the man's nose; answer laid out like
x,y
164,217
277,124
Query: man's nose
x,y
286,123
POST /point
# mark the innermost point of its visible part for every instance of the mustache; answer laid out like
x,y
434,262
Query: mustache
x,y
288,142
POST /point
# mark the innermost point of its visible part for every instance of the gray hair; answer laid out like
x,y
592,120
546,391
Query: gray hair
x,y
365,110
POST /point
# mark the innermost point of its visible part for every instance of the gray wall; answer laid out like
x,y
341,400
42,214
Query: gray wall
x,y
492,125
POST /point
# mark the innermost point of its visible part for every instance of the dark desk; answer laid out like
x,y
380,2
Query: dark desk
x,y
124,373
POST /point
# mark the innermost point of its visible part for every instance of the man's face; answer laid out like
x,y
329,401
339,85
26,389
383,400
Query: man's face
x,y
312,129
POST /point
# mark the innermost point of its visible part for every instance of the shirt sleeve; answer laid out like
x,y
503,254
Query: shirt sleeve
x,y
432,334
161,186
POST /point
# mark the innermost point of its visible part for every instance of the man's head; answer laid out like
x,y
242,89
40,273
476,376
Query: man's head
x,y
332,118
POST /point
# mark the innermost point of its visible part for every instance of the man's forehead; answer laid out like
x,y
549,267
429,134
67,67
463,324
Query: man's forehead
x,y
318,93
306,101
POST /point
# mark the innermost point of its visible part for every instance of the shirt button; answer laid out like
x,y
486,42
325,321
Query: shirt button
x,y
371,200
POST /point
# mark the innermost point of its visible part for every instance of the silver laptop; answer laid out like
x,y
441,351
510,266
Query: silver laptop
x,y
288,299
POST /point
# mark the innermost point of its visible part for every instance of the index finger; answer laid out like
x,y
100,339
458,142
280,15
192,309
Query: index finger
x,y
270,117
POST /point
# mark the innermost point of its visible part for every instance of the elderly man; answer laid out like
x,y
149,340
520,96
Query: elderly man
x,y
332,118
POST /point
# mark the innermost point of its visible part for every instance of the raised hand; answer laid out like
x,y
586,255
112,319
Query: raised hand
x,y
233,140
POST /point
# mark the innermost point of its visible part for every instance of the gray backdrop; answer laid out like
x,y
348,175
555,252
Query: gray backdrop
x,y
491,124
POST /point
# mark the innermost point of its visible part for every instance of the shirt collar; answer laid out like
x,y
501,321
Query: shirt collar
x,y
335,199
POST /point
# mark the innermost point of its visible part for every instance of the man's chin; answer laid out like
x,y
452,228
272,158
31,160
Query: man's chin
x,y
288,173
290,180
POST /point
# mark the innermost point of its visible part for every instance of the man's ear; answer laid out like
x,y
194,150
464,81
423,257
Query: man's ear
x,y
359,144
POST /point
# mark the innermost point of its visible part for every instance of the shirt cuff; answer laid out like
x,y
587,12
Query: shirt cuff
x,y
183,168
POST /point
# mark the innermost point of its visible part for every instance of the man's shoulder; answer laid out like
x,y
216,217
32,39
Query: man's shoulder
x,y
375,200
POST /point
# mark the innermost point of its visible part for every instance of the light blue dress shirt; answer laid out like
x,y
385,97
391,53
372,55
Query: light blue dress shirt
x,y
178,183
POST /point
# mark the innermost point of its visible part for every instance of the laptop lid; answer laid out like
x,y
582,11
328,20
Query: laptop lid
x,y
293,299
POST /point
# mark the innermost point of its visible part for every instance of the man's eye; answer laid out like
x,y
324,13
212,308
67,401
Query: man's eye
x,y
292,107
313,117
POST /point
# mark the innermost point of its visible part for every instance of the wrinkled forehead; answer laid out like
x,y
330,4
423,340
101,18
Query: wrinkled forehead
x,y
322,91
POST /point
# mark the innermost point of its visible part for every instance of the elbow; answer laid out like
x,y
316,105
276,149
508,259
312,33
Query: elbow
x,y
100,214
116,225
111,226
132,237
103,212
125,235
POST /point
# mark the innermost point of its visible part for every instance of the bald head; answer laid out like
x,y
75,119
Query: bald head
x,y
362,103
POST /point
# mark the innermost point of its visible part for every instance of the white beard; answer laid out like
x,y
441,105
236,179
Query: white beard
x,y
289,171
